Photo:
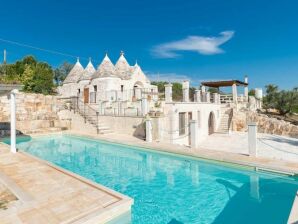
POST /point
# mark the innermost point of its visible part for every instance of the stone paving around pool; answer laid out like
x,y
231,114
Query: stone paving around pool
x,y
269,146
48,194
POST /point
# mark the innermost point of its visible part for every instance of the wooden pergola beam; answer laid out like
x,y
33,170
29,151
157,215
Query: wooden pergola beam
x,y
223,83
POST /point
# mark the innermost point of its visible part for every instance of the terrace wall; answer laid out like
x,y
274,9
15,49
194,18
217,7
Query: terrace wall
x,y
265,124
34,113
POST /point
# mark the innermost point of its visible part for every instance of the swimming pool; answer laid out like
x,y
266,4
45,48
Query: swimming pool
x,y
171,189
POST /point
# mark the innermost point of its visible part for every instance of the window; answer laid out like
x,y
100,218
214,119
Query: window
x,y
95,88
122,88
182,123
199,118
79,91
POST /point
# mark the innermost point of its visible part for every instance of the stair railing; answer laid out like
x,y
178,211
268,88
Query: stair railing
x,y
230,119
86,111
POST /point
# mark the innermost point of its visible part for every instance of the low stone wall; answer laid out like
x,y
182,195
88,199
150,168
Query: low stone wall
x,y
126,125
265,124
33,112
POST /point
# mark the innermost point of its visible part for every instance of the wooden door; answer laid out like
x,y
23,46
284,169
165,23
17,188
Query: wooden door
x,y
86,95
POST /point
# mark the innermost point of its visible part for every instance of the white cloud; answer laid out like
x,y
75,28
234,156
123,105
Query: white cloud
x,y
199,44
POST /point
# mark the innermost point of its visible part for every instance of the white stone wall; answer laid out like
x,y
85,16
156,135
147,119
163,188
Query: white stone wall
x,y
68,90
170,122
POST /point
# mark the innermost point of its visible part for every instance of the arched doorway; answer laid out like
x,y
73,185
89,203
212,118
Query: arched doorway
x,y
211,123
137,90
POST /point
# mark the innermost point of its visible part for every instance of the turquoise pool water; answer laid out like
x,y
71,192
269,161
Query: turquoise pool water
x,y
170,189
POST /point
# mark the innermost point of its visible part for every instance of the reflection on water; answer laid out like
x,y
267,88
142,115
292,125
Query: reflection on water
x,y
169,189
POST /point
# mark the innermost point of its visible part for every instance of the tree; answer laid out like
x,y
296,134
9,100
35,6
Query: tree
x,y
27,78
285,101
252,92
61,72
271,96
177,91
43,78
36,76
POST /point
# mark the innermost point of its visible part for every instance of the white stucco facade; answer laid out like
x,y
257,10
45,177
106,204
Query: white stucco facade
x,y
177,131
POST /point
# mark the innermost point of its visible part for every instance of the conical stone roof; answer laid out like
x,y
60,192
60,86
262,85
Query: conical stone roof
x,y
75,73
105,69
122,68
88,72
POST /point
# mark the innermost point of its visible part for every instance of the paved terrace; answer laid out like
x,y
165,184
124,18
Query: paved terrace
x,y
48,194
269,146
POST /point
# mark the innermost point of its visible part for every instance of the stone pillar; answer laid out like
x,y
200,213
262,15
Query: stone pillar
x,y
207,97
197,95
203,88
252,139
174,126
168,93
185,89
13,148
215,98
144,106
246,89
148,130
160,128
193,133
234,92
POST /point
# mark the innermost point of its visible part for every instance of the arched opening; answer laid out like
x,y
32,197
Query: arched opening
x,y
211,123
137,90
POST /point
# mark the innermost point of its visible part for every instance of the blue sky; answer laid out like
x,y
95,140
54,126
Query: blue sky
x,y
201,40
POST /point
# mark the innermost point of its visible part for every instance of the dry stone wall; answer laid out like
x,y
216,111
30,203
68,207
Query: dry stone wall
x,y
34,113
265,124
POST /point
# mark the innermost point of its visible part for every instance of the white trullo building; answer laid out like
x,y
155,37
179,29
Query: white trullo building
x,y
109,82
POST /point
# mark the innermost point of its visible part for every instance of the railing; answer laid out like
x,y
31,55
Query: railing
x,y
121,112
226,98
231,114
125,95
87,112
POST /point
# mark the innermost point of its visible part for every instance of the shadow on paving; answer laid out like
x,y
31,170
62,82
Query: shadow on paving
x,y
281,140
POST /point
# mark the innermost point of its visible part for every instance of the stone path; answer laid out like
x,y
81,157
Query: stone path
x,y
48,194
269,146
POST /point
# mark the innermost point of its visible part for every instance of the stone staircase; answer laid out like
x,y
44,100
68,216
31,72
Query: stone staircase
x,y
225,120
91,116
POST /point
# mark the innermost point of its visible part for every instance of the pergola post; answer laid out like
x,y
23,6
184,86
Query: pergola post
x,y
207,97
246,89
13,120
234,92
203,90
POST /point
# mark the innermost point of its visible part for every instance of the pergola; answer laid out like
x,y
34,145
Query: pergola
x,y
226,83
